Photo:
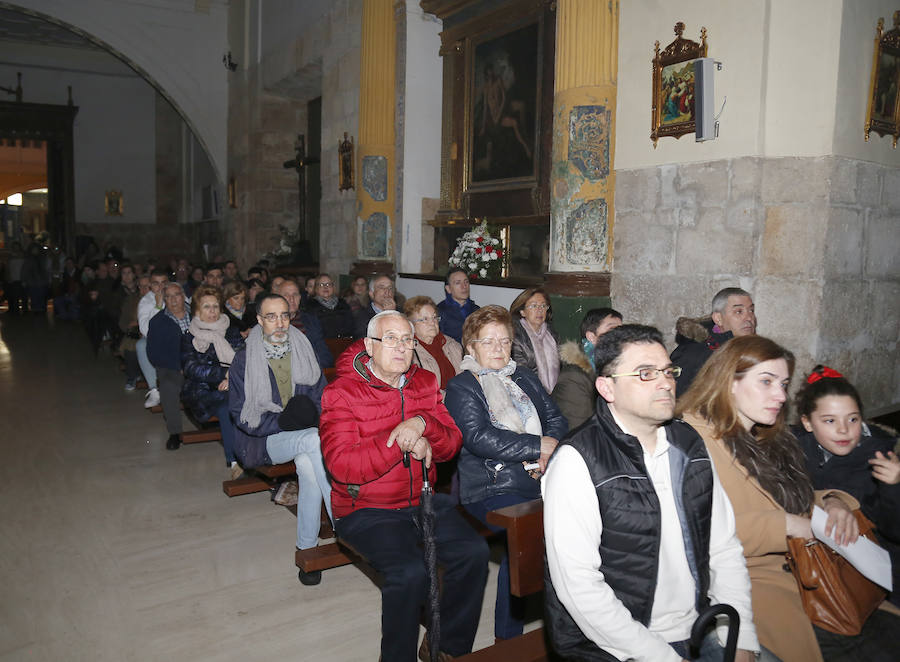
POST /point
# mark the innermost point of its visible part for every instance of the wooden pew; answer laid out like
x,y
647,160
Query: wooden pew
x,y
201,434
261,479
524,524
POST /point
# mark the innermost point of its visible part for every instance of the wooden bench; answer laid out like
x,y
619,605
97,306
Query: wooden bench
x,y
261,479
524,524
202,434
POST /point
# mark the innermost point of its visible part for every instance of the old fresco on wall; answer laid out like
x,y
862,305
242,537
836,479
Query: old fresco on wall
x,y
374,236
587,234
589,141
375,177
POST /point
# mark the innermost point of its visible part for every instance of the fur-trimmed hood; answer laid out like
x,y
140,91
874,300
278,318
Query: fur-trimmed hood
x,y
693,329
570,353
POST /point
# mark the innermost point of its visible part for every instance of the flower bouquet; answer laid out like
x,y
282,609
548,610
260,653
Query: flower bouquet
x,y
478,253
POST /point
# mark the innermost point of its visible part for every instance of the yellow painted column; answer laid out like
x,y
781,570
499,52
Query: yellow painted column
x,y
376,164
584,121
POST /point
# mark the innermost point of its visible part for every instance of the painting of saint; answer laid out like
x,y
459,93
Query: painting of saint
x,y
884,104
677,93
504,106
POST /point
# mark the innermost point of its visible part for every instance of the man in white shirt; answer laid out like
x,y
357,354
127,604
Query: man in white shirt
x,y
639,533
150,304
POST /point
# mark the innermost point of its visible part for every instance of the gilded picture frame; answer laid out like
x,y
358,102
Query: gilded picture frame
x,y
113,203
672,110
883,113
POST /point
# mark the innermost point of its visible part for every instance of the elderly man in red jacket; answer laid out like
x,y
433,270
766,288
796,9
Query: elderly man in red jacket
x,y
377,409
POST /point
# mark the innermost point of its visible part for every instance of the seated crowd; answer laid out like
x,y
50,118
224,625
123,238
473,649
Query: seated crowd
x,y
669,482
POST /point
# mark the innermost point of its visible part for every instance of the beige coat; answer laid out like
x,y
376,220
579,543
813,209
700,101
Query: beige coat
x,y
781,622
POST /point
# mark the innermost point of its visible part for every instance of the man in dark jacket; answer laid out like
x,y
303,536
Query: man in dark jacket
x,y
639,533
733,314
306,323
164,351
274,397
457,305
379,409
333,313
381,297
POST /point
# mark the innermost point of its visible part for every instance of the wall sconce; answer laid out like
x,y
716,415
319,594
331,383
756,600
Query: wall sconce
x,y
230,64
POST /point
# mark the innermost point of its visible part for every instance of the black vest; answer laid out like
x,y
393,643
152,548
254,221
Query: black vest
x,y
629,543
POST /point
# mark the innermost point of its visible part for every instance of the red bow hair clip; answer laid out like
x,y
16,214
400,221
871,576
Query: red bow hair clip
x,y
826,372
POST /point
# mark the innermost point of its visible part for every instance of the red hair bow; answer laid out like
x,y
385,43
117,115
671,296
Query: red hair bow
x,y
826,372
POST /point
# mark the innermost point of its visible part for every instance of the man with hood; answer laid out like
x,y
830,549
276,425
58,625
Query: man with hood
x,y
733,315
380,418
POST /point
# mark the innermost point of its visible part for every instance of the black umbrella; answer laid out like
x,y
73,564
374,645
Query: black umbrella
x,y
705,619
426,520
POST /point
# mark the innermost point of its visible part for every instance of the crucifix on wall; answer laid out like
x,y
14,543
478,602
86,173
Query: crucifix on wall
x,y
299,164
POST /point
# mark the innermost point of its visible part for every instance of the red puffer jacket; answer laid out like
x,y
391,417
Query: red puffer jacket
x,y
359,411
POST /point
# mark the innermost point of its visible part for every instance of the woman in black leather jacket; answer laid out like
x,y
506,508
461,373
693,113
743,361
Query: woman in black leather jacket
x,y
510,426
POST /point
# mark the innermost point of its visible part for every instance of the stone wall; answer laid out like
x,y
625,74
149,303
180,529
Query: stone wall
x,y
815,240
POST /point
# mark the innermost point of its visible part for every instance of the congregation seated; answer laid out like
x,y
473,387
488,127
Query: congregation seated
x,y
333,313
574,392
274,397
736,404
507,420
435,352
733,315
381,298
164,351
845,453
365,433
207,350
300,319
535,343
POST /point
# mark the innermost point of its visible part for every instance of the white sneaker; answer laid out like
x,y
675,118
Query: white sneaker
x,y
152,398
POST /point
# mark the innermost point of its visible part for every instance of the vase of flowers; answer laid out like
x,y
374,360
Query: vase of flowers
x,y
479,253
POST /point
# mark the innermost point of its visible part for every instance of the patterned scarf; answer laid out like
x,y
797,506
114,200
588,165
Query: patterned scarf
x,y
330,303
509,406
546,354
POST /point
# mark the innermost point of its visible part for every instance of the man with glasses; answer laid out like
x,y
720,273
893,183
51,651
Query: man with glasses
x,y
639,534
379,409
274,396
334,313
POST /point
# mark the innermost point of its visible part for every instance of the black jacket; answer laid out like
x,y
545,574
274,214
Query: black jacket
x,y
336,322
629,506
490,462
696,343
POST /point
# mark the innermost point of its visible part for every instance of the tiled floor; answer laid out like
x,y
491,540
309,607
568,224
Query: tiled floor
x,y
113,548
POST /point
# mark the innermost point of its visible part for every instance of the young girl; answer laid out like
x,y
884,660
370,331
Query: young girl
x,y
842,452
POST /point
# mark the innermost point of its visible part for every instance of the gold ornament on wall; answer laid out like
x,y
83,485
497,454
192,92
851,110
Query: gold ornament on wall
x,y
345,163
883,115
672,112
113,203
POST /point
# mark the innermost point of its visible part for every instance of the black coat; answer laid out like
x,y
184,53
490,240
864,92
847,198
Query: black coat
x,y
336,322
490,462
203,373
696,343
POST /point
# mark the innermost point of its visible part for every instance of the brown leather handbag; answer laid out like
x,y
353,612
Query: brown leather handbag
x,y
835,595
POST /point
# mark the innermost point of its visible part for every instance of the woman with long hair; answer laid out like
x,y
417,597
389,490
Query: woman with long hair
x,y
737,404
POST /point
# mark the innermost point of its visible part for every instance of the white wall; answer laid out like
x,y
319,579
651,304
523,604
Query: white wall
x,y
422,129
178,43
114,130
483,295
780,96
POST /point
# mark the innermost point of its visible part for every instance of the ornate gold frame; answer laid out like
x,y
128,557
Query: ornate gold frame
x,y
113,203
680,50
887,47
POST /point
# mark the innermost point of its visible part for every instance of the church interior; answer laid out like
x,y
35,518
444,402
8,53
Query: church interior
x,y
365,137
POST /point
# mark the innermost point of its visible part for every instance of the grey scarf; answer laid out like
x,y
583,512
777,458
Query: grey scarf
x,y
330,303
212,332
257,386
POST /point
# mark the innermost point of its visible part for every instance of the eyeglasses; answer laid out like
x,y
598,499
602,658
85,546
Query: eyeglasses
x,y
491,343
433,318
325,285
392,342
650,374
274,317
386,288
537,306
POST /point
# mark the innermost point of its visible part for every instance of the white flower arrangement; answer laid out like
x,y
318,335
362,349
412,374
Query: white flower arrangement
x,y
478,253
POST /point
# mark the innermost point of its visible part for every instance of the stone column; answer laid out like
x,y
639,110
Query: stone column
x,y
376,165
584,116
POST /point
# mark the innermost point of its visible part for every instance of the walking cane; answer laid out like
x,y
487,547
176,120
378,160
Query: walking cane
x,y
433,604
701,625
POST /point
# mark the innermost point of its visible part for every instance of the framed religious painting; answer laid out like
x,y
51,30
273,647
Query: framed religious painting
x,y
883,116
672,113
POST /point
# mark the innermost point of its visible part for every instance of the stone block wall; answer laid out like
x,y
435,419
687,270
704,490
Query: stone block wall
x,y
816,240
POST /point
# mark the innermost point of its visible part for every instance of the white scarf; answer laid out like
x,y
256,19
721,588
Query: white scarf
x,y
509,406
212,332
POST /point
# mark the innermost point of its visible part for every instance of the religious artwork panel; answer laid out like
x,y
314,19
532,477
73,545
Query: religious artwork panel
x,y
883,116
586,232
589,141
672,112
375,177
504,79
374,236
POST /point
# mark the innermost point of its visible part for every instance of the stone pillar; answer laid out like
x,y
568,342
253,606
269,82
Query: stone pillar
x,y
584,116
376,166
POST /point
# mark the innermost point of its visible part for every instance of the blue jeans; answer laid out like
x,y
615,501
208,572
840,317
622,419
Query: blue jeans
x,y
390,541
712,651
509,610
302,446
146,367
